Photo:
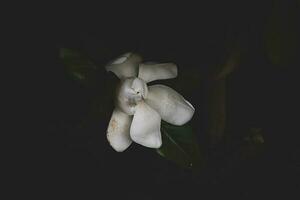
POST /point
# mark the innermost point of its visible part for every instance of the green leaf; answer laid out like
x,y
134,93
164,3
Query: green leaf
x,y
100,84
180,146
79,66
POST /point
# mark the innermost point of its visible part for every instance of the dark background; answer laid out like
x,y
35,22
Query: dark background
x,y
68,159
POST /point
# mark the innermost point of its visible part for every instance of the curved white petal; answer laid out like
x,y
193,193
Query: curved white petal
x,y
145,127
171,106
152,72
118,130
125,65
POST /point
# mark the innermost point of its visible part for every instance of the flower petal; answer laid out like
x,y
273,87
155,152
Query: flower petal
x,y
129,92
125,99
125,66
140,87
118,130
152,72
171,106
145,127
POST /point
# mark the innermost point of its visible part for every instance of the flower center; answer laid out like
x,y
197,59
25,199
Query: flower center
x,y
131,91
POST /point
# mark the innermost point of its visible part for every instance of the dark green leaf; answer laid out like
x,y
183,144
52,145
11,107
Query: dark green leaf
x,y
101,85
79,66
180,146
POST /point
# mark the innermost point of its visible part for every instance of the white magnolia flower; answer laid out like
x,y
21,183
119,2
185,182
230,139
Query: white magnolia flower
x,y
140,108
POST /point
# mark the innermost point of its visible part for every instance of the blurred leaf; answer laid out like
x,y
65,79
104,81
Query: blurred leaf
x,y
282,33
217,110
180,146
101,84
79,66
254,144
255,136
232,62
217,94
